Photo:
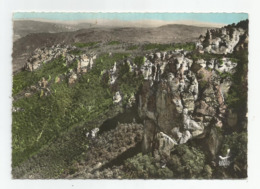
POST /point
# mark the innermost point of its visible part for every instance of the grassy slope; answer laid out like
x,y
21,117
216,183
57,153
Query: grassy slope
x,y
44,118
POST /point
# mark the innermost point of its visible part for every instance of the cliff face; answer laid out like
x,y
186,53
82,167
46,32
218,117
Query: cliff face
x,y
183,98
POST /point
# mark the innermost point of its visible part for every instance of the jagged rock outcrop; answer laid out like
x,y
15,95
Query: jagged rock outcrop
x,y
164,145
85,62
183,99
45,55
112,74
224,40
180,98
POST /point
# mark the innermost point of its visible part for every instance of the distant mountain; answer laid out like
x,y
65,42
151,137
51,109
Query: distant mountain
x,y
25,27
38,34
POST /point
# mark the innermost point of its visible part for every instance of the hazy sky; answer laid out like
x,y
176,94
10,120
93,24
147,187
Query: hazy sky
x,y
221,18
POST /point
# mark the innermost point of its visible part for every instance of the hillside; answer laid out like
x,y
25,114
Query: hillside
x,y
120,107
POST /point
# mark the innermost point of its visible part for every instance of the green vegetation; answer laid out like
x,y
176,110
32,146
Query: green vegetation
x,y
139,61
82,45
114,43
225,75
58,159
44,118
187,162
237,143
221,62
25,79
132,47
144,167
128,86
54,125
237,96
105,62
169,47
203,84
76,52
22,80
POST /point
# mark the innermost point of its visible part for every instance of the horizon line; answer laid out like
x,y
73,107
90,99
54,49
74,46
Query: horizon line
x,y
217,18
152,23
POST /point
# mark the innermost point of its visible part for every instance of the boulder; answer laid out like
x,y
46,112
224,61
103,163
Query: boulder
x,y
176,133
166,144
73,77
117,98
27,94
201,62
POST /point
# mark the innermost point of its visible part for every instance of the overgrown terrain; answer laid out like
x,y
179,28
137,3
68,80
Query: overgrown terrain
x,y
58,105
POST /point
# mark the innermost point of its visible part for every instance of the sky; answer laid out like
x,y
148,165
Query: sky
x,y
218,18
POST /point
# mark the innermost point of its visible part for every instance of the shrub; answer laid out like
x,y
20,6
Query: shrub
x,y
139,61
237,143
187,162
144,167
128,86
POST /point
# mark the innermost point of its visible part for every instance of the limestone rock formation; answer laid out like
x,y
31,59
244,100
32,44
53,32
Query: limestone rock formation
x,y
224,40
174,102
47,54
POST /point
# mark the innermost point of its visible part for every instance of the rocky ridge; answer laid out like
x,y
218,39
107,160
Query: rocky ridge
x,y
224,40
44,55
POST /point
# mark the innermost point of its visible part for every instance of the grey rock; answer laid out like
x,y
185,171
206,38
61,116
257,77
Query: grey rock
x,y
117,98
166,144
188,101
185,137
